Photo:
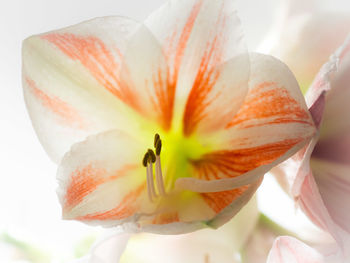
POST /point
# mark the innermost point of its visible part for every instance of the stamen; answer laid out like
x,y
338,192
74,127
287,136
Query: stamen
x,y
149,182
151,155
145,160
151,189
156,138
159,176
158,146
148,161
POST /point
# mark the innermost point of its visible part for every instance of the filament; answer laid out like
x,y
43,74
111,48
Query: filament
x,y
159,176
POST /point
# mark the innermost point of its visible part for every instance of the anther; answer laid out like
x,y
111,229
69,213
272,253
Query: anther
x,y
158,147
145,159
156,138
152,157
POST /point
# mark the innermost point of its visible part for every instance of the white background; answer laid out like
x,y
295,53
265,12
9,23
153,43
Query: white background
x,y
29,209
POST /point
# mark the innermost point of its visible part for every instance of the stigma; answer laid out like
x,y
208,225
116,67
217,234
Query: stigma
x,y
153,157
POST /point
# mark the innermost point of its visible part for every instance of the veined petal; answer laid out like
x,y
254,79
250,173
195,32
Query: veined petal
x,y
99,179
197,37
288,249
145,72
71,83
272,124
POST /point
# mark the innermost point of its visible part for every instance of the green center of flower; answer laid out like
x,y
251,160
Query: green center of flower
x,y
179,152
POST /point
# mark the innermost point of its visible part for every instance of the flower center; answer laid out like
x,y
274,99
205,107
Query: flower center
x,y
180,154
148,160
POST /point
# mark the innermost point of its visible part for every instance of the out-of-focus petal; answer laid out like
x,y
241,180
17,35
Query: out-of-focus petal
x,y
272,124
290,250
313,205
336,122
198,37
205,245
333,182
331,77
305,42
109,249
259,243
71,82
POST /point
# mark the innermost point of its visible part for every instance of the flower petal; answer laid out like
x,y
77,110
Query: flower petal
x,y
145,72
71,82
259,243
336,122
306,41
272,124
288,249
109,249
99,179
334,185
197,37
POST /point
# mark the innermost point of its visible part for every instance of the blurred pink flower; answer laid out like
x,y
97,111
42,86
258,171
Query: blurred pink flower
x,y
287,249
317,177
304,37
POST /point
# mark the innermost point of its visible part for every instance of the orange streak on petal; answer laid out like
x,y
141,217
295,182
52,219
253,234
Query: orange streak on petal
x,y
219,200
86,179
184,37
165,89
95,56
198,99
127,207
269,104
68,115
201,95
232,163
164,98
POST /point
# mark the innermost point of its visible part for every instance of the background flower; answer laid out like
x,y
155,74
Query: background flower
x,y
317,176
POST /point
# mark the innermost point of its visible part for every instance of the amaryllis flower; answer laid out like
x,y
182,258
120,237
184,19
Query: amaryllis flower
x,y
181,122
